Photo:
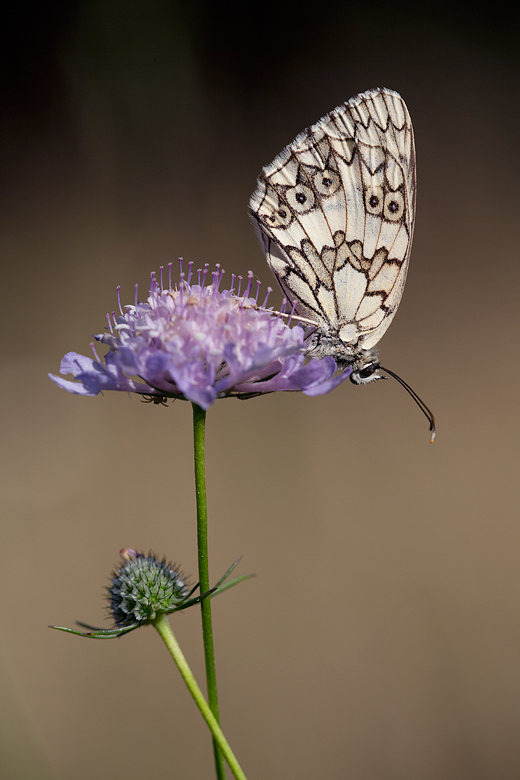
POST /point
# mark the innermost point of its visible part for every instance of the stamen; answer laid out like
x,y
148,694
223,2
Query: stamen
x,y
161,276
136,289
94,351
119,298
204,275
190,269
153,282
170,276
180,286
268,293
258,283
280,313
109,324
233,277
240,280
292,312
249,283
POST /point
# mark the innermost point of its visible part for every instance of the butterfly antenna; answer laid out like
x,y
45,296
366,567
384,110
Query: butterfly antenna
x,y
420,403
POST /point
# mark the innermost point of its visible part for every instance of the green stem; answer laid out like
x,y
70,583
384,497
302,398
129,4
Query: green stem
x,y
199,436
163,627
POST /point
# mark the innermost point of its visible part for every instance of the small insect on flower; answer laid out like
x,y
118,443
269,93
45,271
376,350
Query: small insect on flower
x,y
335,213
155,399
194,342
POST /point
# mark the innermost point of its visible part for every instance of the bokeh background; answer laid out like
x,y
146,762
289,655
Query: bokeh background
x,y
381,636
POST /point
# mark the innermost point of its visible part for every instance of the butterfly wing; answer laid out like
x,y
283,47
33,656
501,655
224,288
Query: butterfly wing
x,y
335,214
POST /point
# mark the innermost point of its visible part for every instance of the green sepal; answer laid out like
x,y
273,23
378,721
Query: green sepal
x,y
217,589
98,633
189,602
230,584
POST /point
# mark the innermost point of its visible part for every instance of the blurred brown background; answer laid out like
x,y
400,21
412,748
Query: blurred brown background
x,y
380,639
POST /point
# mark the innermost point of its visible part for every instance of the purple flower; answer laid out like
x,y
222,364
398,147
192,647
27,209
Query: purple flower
x,y
197,343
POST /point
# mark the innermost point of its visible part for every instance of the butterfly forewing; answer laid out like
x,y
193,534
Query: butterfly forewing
x,y
335,213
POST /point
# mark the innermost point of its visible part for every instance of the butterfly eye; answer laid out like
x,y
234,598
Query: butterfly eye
x,y
300,198
394,206
326,182
368,370
366,374
374,200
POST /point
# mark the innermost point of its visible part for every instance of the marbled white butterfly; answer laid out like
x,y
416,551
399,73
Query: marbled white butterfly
x,y
335,215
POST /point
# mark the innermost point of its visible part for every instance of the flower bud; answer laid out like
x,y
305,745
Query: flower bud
x,y
143,588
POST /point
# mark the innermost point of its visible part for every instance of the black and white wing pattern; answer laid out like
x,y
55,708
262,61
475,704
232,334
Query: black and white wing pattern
x,y
335,214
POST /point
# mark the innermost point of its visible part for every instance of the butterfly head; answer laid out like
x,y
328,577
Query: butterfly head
x,y
365,365
363,362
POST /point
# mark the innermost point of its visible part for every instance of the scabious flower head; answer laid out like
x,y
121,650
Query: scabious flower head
x,y
195,342
143,588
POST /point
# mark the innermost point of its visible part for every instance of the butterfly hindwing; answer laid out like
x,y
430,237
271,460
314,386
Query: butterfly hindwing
x,y
335,214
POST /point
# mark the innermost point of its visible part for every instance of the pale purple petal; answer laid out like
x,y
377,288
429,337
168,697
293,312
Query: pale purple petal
x,y
74,363
73,387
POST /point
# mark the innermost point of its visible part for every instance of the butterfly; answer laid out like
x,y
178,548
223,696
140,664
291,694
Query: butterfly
x,y
335,214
